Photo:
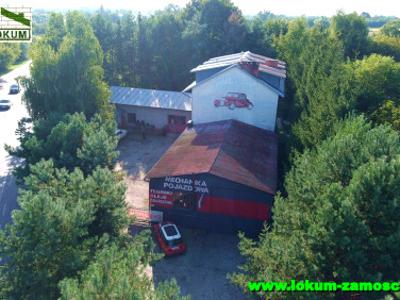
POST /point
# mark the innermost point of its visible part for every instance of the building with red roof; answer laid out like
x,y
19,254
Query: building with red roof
x,y
219,175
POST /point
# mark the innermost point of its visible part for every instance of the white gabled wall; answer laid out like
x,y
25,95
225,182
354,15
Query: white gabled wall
x,y
265,100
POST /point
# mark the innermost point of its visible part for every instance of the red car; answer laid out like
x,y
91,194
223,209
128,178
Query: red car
x,y
233,100
169,238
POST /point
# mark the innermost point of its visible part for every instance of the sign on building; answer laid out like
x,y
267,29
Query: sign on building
x,y
234,100
183,192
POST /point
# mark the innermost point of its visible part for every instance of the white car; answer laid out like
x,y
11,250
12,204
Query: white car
x,y
5,104
121,133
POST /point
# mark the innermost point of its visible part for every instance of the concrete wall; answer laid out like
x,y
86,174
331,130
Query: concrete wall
x,y
265,101
154,116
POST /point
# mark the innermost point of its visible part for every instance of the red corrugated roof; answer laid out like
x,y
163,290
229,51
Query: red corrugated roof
x,y
229,149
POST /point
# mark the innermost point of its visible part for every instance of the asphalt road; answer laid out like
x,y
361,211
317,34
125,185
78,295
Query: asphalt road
x,y
8,124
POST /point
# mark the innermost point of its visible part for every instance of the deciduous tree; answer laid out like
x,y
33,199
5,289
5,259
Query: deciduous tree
x,y
385,45
392,28
68,79
213,28
56,30
9,53
388,113
375,79
352,30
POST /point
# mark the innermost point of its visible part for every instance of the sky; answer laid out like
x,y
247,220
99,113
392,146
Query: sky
x,y
248,7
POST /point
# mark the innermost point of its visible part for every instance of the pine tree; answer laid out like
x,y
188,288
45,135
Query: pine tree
x,y
339,221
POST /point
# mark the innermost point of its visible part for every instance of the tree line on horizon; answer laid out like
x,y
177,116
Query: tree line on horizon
x,y
136,46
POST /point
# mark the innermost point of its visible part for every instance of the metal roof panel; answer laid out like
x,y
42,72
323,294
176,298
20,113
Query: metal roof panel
x,y
228,149
266,64
151,98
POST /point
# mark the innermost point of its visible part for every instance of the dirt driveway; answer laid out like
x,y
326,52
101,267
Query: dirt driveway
x,y
201,272
137,157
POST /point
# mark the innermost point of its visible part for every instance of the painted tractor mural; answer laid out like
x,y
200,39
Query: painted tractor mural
x,y
234,100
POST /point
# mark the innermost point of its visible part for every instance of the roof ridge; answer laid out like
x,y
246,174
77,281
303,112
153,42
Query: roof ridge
x,y
146,178
139,88
243,57
217,148
222,143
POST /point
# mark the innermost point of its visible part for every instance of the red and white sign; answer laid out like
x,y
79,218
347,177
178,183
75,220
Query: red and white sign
x,y
161,198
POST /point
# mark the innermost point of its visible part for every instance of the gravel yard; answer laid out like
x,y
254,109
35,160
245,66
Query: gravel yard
x,y
136,158
201,272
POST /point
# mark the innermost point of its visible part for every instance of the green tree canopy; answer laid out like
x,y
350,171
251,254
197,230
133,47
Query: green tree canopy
x,y
105,27
261,34
56,30
388,113
386,45
339,221
9,53
392,28
69,79
70,141
376,79
321,83
62,217
136,48
213,28
119,273
352,30
166,29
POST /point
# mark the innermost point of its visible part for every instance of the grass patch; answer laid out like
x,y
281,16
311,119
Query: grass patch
x,y
12,67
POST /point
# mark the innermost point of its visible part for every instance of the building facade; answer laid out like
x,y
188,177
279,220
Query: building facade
x,y
151,108
219,176
233,93
242,86
221,172
210,202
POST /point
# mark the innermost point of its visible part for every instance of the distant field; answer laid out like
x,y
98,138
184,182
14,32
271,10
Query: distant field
x,y
374,30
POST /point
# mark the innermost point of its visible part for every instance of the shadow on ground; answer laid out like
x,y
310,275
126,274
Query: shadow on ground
x,y
137,157
202,271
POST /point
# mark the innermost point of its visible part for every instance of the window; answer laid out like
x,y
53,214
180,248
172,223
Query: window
x,y
185,200
176,120
131,118
170,230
